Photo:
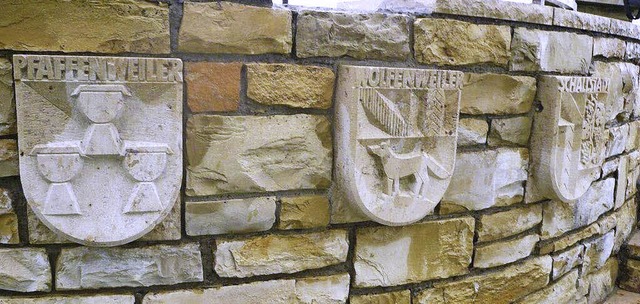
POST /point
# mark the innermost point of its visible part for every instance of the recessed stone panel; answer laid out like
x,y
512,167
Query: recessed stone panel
x,y
100,143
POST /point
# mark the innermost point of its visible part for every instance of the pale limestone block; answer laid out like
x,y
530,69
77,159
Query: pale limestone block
x,y
597,252
508,94
24,270
503,224
484,179
7,103
396,143
565,157
271,254
330,290
578,20
230,216
564,261
626,222
611,166
304,212
609,47
388,256
504,252
510,131
71,299
397,297
496,9
93,268
617,141
633,141
536,50
472,132
602,282
260,153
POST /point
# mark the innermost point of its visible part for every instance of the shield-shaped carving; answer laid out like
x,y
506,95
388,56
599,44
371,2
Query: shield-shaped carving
x,y
396,132
100,143
568,137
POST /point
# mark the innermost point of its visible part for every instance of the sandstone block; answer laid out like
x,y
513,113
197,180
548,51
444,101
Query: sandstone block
x,y
626,221
331,289
597,252
504,252
297,86
609,47
472,132
230,216
267,153
9,229
213,86
272,254
8,158
510,131
503,224
496,9
583,21
565,261
508,94
535,50
24,270
633,141
397,297
504,286
7,103
221,27
561,291
453,42
484,179
387,256
93,268
570,239
602,282
126,26
74,299
304,212
361,36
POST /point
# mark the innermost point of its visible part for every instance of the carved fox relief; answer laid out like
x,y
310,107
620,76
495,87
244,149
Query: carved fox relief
x,y
568,138
100,143
396,132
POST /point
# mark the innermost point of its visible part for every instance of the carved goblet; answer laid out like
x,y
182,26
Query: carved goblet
x,y
145,164
59,164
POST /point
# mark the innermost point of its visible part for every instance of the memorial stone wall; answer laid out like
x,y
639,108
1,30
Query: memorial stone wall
x,y
442,151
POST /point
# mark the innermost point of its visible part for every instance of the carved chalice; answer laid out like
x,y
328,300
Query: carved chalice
x,y
59,163
145,162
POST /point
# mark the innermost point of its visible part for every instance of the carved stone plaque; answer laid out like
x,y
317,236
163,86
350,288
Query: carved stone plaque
x,y
568,137
100,142
395,134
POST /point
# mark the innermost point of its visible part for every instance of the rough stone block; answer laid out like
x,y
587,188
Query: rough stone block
x,y
503,224
93,268
508,94
24,270
564,261
472,131
484,179
535,50
623,95
298,86
361,36
213,86
268,153
626,218
71,299
225,27
510,131
230,216
387,256
397,297
304,212
496,9
597,252
272,254
504,252
630,278
7,103
617,141
609,47
602,282
9,158
126,26
588,22
453,42
569,239
9,229
561,291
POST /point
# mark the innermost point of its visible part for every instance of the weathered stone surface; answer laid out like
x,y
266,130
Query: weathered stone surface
x,y
484,179
386,256
221,27
504,286
634,245
623,297
503,224
630,278
107,27
7,103
298,86
504,252
570,239
361,36
622,98
272,153
230,216
8,158
610,166
9,229
6,200
560,217
213,86
497,9
304,212
626,218
398,297
535,50
565,261
24,270
93,268
510,131
412,6
271,254
632,52
633,171
624,28
597,252
583,21
331,289
472,132
609,47
602,282
453,42
561,291
633,141
617,140
508,94
170,229
74,299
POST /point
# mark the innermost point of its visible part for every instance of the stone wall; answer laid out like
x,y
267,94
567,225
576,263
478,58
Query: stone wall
x,y
257,221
